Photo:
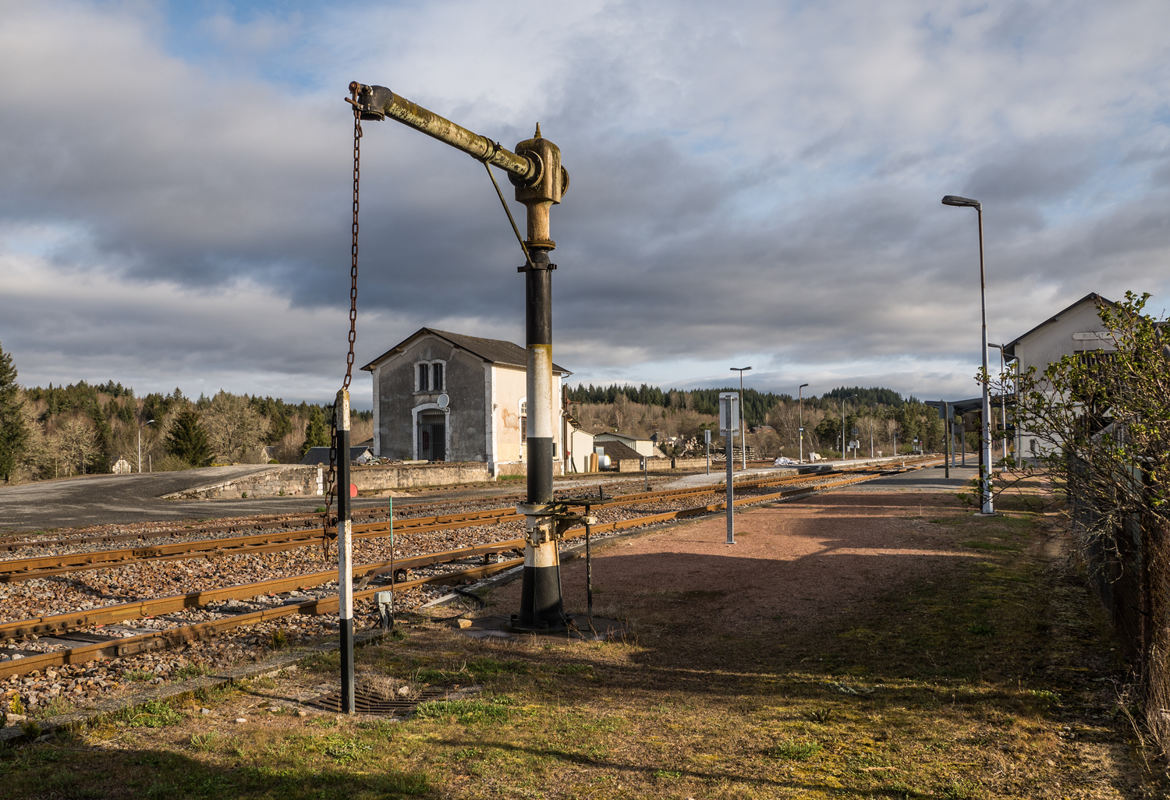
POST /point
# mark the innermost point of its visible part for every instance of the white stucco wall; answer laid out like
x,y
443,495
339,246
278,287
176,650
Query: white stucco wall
x,y
580,448
509,387
1074,331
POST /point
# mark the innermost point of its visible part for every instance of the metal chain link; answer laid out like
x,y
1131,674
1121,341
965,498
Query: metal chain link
x,y
353,269
331,493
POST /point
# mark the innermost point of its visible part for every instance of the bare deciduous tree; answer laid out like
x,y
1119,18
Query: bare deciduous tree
x,y
77,442
234,428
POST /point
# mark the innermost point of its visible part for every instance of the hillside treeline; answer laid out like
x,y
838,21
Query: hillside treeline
x,y
58,431
876,418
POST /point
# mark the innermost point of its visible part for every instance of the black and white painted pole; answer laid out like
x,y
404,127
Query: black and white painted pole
x,y
540,591
729,426
541,607
344,552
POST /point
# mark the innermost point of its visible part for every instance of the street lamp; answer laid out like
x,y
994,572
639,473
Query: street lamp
x,y
742,416
985,448
843,399
800,417
140,427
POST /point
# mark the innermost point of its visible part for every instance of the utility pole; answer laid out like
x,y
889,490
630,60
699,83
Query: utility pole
x,y
742,431
540,182
800,417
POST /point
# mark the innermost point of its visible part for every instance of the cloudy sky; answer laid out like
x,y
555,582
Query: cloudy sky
x,y
753,183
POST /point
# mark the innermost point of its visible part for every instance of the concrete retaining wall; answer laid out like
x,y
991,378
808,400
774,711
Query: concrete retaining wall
x,y
378,478
295,480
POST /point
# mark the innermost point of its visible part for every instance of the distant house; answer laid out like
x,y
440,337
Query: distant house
x,y
578,444
617,451
1074,330
358,454
646,448
442,396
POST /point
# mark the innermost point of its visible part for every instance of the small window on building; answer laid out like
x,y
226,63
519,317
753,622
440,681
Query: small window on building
x,y
424,373
437,376
523,422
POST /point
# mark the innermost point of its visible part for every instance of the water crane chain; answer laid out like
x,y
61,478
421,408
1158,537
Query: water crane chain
x,y
331,493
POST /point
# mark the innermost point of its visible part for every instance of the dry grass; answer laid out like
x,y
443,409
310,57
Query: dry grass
x,y
996,680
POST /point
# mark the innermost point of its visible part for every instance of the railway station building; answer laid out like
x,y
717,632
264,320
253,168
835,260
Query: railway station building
x,y
1074,330
442,396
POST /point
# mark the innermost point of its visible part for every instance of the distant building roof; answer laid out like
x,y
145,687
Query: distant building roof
x,y
494,351
616,450
320,455
614,436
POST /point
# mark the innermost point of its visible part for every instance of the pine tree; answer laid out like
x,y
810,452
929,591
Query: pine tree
x,y
187,440
13,433
316,430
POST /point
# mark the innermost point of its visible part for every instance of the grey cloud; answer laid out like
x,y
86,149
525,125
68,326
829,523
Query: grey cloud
x,y
1039,171
714,209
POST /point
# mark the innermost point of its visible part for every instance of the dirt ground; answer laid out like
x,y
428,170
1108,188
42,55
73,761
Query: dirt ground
x,y
793,563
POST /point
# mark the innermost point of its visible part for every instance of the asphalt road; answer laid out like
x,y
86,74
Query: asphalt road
x,y
104,499
113,499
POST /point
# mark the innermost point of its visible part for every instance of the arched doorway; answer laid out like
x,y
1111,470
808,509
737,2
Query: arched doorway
x,y
431,436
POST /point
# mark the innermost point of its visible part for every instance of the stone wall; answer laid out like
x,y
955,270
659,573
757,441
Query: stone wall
x,y
294,480
379,478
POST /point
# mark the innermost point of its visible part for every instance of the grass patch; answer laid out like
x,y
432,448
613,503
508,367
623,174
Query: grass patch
x,y
466,712
475,670
793,751
138,675
151,714
188,671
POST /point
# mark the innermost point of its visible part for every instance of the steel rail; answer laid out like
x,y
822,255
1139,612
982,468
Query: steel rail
x,y
138,609
282,522
132,645
144,642
58,623
15,570
23,569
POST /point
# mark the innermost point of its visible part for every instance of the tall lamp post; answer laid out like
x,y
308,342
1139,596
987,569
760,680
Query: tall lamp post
x,y
742,416
140,427
800,417
985,431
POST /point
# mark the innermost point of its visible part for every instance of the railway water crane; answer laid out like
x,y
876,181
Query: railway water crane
x,y
540,182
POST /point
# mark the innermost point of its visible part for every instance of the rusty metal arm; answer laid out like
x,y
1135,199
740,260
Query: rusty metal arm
x,y
378,102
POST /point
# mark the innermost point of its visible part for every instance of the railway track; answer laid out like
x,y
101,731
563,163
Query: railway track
x,y
67,628
24,569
